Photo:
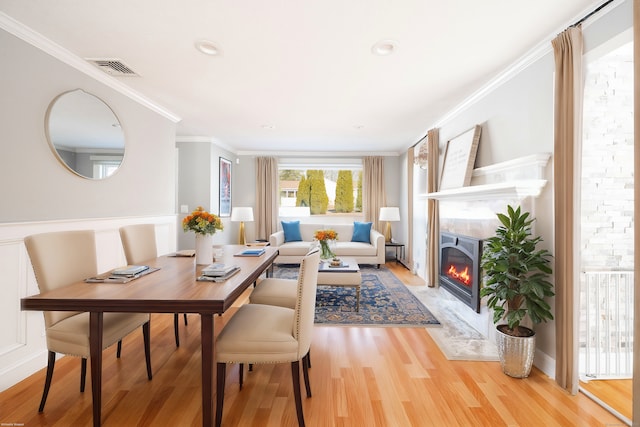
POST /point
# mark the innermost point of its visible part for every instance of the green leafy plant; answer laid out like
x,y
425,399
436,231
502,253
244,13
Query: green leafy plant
x,y
516,273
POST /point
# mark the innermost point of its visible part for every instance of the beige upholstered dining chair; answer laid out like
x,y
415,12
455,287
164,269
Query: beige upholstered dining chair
x,y
139,244
63,258
259,333
274,291
279,292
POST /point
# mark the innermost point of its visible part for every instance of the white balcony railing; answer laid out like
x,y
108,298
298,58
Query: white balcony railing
x,y
606,324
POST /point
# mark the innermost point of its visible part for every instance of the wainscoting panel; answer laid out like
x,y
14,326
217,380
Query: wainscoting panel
x,y
22,341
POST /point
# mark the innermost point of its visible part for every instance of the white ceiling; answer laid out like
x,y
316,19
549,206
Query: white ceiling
x,y
299,75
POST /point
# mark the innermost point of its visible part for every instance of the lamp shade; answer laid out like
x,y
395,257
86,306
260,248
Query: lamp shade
x,y
390,214
242,214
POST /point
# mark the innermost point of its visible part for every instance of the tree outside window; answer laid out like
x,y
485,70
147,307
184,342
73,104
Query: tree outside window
x,y
325,191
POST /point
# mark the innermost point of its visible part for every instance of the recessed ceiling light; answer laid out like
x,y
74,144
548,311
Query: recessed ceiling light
x,y
269,127
208,47
384,47
359,127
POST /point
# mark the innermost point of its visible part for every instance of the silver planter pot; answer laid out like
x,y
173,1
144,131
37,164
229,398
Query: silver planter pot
x,y
516,353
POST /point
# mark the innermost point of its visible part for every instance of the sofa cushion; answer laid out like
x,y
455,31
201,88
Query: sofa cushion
x,y
361,232
295,248
344,231
355,249
307,231
291,231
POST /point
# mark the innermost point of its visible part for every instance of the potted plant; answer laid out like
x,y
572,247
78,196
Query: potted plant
x,y
516,283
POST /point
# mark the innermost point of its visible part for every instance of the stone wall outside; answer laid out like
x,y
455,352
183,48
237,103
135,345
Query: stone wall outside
x,y
607,163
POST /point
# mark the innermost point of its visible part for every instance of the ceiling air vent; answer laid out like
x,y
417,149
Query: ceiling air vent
x,y
113,67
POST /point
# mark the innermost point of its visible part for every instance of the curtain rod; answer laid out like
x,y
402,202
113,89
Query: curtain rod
x,y
590,14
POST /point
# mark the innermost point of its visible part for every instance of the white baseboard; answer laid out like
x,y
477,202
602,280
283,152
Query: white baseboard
x,y
545,363
11,375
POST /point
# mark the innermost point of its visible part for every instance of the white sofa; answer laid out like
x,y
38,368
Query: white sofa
x,y
372,252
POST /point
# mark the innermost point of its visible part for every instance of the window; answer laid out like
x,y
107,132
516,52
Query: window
x,y
326,189
607,217
103,169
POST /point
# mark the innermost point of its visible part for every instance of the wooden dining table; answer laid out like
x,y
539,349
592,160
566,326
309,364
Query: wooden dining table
x,y
171,289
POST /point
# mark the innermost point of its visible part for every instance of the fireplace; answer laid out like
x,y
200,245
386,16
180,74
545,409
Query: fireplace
x,y
460,267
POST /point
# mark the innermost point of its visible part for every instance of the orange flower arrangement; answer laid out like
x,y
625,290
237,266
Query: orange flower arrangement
x,y
324,235
202,222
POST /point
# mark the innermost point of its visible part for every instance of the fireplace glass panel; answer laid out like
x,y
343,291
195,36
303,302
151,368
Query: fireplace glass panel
x,y
460,267
457,266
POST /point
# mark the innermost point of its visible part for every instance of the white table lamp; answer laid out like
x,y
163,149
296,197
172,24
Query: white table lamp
x,y
242,214
389,214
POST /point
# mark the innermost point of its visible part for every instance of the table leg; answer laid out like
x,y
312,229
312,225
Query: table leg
x,y
206,337
95,352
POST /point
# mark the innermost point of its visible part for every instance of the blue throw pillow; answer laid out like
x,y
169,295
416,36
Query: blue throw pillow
x,y
291,231
361,232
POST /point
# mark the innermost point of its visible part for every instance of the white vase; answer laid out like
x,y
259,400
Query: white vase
x,y
204,248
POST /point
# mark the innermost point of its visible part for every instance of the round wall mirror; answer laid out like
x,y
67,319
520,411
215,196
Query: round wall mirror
x,y
85,134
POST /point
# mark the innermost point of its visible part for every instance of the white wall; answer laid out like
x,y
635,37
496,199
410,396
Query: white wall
x,y
516,116
35,186
199,175
38,194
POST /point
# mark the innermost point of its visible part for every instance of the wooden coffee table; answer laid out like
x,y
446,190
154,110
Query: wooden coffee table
x,y
347,275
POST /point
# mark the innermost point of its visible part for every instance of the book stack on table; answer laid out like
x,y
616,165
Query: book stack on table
x,y
251,252
218,272
122,274
129,270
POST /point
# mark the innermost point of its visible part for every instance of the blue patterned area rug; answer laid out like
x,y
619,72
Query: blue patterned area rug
x,y
384,301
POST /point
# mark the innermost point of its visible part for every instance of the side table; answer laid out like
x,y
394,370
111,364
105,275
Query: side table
x,y
399,248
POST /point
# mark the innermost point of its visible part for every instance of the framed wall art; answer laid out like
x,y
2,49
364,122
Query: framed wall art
x,y
459,159
225,188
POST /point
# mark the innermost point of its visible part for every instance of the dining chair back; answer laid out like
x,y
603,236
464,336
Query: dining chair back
x,y
60,259
139,244
276,291
305,310
54,268
259,333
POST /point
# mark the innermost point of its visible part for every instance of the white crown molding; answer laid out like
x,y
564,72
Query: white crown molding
x,y
39,41
307,154
536,53
288,154
521,64
206,139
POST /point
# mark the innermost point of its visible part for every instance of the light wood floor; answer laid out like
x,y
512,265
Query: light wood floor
x,y
359,377
616,393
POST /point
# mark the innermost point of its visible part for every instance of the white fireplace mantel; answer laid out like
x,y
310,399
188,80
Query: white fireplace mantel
x,y
513,179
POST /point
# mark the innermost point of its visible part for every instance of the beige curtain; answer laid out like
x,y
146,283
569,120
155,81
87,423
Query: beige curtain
x,y
408,255
373,190
636,206
433,214
567,48
266,196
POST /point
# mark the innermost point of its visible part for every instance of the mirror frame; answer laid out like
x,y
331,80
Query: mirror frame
x,y
52,145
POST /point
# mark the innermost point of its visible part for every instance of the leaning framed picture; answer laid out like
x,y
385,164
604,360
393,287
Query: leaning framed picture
x,y
225,188
459,159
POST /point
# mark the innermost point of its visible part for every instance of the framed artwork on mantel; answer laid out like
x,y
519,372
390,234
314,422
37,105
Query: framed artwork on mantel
x,y
225,187
459,159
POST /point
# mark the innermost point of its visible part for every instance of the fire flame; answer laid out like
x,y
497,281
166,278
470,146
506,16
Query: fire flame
x,y
462,276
